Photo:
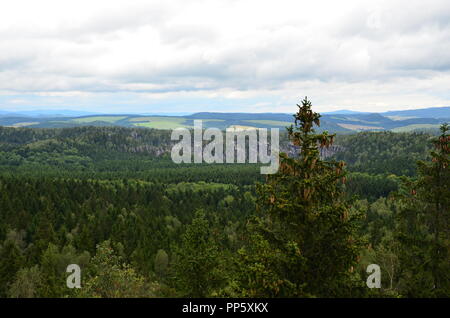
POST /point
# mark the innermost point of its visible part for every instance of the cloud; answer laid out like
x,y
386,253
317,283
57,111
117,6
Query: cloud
x,y
359,54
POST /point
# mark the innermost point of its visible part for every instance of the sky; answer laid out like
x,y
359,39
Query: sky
x,y
227,56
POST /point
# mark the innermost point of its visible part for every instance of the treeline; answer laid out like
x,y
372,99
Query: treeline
x,y
374,159
94,148
384,152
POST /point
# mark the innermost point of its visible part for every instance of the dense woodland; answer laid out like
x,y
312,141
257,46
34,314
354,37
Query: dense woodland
x,y
111,200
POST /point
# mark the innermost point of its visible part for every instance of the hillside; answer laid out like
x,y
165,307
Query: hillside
x,y
342,122
85,194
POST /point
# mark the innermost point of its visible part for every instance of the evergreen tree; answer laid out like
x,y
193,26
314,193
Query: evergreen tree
x,y
305,222
27,283
109,277
195,270
11,260
424,225
161,263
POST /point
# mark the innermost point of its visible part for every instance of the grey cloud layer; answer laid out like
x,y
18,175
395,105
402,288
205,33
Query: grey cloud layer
x,y
146,48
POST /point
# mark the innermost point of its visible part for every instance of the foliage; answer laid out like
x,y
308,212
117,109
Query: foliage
x,y
157,229
383,152
424,225
195,270
306,219
111,278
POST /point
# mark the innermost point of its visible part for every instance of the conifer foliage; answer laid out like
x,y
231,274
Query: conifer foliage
x,y
424,225
305,221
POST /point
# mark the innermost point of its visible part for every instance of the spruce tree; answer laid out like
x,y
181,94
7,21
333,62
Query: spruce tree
x,y
196,270
11,260
424,225
305,234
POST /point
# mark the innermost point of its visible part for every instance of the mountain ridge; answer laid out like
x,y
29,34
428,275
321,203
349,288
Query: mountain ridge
x,y
334,122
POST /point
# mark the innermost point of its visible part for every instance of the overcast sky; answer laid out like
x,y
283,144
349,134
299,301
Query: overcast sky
x,y
231,55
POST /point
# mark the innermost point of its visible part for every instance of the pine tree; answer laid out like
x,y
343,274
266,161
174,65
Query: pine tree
x,y
27,283
11,260
424,225
196,266
161,263
109,277
305,229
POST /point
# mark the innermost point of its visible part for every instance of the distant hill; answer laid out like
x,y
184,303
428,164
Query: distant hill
x,y
242,116
47,113
434,112
339,121
343,112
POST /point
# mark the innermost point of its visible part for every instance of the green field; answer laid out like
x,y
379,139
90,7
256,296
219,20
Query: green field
x,y
269,122
414,127
209,120
400,117
108,119
359,127
25,124
160,122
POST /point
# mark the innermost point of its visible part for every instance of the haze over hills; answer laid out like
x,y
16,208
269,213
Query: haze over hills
x,y
435,112
343,112
47,113
344,121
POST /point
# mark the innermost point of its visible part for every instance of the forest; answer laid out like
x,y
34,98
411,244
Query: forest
x,y
111,200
